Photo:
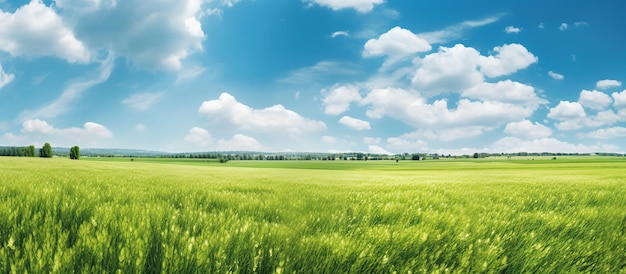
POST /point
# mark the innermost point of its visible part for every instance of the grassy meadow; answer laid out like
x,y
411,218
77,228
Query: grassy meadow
x,y
192,216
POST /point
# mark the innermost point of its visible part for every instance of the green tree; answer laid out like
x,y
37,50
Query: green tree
x,y
75,153
46,151
30,151
415,157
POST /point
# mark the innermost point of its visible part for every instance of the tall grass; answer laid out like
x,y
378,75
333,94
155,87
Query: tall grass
x,y
65,216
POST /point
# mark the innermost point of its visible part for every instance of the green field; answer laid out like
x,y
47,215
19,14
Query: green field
x,y
192,216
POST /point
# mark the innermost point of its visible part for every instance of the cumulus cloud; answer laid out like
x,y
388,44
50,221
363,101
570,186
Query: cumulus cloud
x,y
239,142
372,140
619,99
508,59
328,139
446,134
459,68
607,133
570,114
512,29
527,130
514,144
354,123
406,143
413,110
396,44
199,137
155,35
39,131
37,30
143,101
594,99
378,150
362,6
449,69
5,78
227,111
607,83
339,98
563,26
556,76
505,91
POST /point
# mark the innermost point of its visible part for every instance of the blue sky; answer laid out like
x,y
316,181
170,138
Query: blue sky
x,y
379,76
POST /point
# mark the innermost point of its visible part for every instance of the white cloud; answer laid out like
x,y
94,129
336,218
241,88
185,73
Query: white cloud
x,y
5,78
509,59
527,130
607,133
371,140
541,25
570,114
556,76
190,73
340,33
378,150
513,144
563,26
40,131
199,137
396,44
158,35
406,143
354,123
143,101
580,23
37,30
140,127
505,91
275,119
70,94
359,5
512,29
446,134
328,139
607,83
338,100
320,71
449,69
567,110
413,110
456,69
239,142
594,99
619,99
456,31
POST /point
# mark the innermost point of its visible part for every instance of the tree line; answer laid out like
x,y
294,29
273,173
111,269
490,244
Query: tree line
x,y
30,151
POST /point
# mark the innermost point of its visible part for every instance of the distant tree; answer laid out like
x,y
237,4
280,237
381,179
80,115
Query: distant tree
x,y
30,151
75,153
46,151
475,155
415,157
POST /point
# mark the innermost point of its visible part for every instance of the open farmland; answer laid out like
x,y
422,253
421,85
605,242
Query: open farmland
x,y
471,216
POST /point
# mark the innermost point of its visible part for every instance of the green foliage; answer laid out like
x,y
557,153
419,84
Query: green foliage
x,y
46,151
75,153
312,216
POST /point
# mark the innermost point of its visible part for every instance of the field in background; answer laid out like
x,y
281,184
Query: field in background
x,y
485,215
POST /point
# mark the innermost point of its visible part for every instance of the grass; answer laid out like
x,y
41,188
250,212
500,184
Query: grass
x,y
150,215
